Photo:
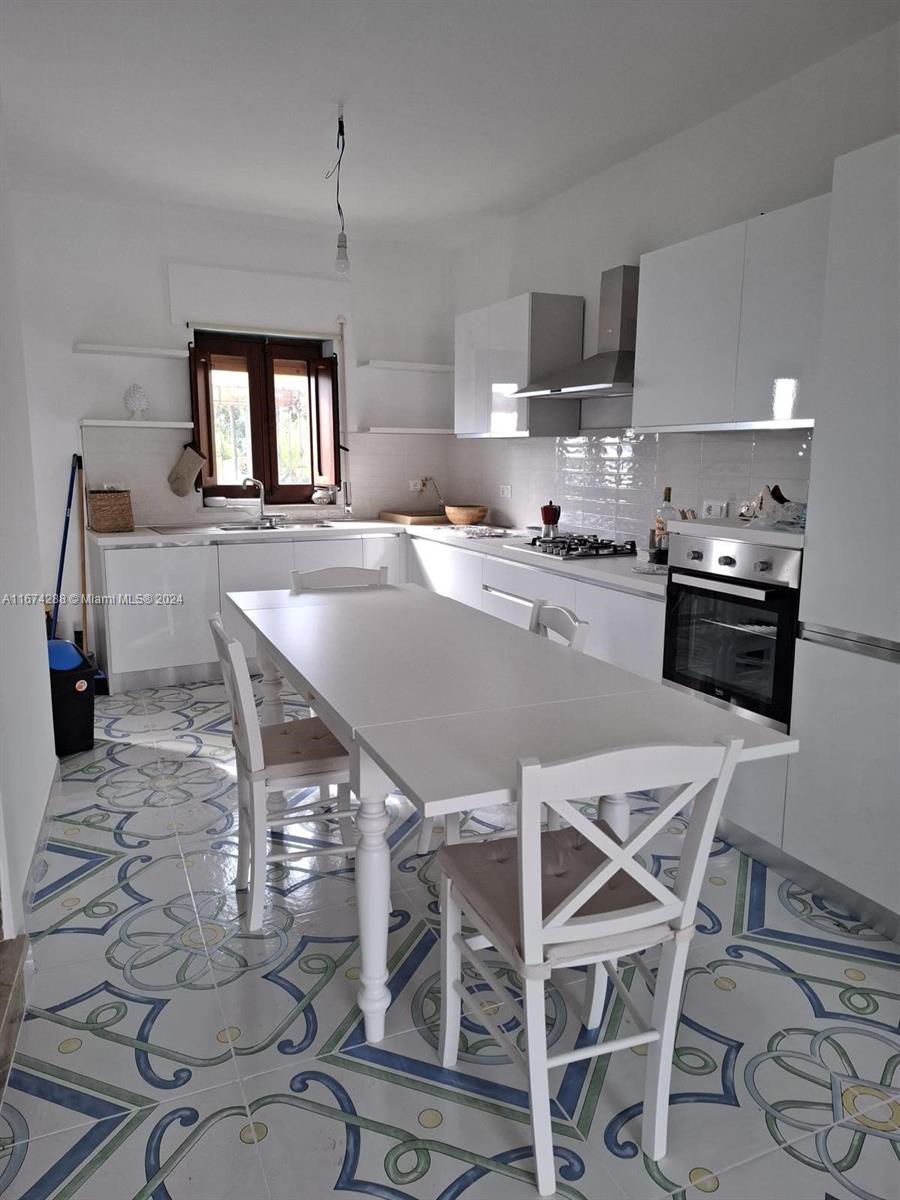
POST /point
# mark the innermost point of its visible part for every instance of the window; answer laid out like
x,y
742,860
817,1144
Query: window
x,y
266,408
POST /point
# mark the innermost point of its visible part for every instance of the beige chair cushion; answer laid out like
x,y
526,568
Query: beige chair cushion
x,y
487,875
301,748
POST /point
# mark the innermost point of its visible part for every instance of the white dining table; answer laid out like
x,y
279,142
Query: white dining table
x,y
441,700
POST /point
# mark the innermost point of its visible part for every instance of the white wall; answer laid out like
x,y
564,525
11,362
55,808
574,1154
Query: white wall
x,y
772,150
27,760
97,272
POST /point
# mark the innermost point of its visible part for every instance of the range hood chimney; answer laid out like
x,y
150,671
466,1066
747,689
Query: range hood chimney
x,y
610,372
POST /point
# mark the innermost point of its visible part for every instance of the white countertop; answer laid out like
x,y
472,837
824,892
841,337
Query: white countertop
x,y
607,572
184,535
617,573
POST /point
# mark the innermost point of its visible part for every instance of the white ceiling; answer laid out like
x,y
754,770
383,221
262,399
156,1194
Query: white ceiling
x,y
455,108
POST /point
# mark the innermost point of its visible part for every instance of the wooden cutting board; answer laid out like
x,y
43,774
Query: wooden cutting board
x,y
417,518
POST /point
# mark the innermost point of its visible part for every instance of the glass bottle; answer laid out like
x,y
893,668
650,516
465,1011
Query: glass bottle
x,y
664,514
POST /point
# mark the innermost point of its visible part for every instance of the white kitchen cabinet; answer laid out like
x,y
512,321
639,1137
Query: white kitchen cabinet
x,y
851,579
504,346
386,552
688,324
336,552
252,566
755,799
146,636
446,570
625,630
842,814
781,312
508,590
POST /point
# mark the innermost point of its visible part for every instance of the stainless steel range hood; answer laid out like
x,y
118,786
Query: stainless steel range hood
x,y
607,375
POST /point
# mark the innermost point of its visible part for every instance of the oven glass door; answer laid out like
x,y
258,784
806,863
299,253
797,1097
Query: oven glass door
x,y
733,642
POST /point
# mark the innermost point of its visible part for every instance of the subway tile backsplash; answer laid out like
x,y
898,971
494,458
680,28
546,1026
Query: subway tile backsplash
x,y
606,485
613,485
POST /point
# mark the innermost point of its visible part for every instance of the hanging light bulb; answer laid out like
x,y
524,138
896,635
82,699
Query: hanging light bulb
x,y
342,259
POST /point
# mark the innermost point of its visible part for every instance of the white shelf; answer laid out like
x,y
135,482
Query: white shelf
x,y
402,429
384,364
129,351
128,424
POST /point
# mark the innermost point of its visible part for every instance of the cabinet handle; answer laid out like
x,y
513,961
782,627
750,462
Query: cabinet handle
x,y
486,587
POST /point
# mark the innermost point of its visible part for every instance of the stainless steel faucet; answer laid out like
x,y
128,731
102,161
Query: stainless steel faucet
x,y
266,521
347,497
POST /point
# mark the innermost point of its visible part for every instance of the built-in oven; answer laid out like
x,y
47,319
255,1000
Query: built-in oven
x,y
731,624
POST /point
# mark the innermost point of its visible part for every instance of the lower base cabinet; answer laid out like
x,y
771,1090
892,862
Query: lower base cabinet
x,y
842,814
446,570
387,552
171,628
625,630
251,566
509,589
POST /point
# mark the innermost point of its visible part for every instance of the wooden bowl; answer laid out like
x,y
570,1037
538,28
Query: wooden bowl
x,y
465,514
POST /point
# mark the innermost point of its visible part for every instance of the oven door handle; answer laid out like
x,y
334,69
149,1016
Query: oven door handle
x,y
726,589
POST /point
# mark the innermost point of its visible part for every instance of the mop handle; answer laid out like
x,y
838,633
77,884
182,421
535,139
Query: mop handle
x,y
76,463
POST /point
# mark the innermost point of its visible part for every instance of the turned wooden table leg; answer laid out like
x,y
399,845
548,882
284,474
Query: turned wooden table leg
x,y
272,709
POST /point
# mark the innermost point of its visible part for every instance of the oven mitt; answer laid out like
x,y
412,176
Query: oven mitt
x,y
185,471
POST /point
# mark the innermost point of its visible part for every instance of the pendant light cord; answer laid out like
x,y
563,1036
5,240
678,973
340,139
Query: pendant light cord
x,y
336,169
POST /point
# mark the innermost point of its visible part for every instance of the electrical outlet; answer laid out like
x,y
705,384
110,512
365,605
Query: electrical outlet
x,y
415,485
505,491
714,508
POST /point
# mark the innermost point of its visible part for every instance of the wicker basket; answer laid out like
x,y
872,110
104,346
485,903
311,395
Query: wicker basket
x,y
111,511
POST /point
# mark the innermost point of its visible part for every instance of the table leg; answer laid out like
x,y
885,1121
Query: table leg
x,y
373,891
615,810
272,709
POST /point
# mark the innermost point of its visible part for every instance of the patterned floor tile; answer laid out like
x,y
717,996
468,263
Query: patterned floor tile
x,y
148,1020
155,1015
200,1148
325,1129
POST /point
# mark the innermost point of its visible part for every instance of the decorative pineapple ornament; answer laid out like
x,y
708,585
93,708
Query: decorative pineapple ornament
x,y
137,400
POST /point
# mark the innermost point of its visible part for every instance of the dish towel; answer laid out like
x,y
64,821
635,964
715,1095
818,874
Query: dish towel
x,y
183,474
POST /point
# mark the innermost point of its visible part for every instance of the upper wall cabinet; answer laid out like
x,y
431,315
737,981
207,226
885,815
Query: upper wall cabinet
x,y
500,349
728,323
781,312
689,317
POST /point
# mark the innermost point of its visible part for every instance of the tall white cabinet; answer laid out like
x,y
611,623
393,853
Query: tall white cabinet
x,y
843,798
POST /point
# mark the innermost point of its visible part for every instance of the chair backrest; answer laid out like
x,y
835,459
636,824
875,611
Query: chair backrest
x,y
547,618
337,577
241,700
700,774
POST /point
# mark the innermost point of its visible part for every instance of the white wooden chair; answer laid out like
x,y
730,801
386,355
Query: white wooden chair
x,y
277,758
553,618
337,577
577,896
544,619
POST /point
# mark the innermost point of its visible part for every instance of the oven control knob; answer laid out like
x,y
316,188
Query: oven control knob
x,y
695,555
762,565
727,561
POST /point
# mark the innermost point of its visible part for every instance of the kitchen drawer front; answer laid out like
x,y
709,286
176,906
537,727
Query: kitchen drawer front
x,y
446,570
338,552
625,630
142,637
508,590
386,552
252,566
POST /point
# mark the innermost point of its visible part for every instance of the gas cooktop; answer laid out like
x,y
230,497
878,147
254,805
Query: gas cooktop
x,y
573,545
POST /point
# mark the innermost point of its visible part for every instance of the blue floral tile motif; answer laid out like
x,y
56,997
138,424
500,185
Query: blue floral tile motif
x,y
169,1051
